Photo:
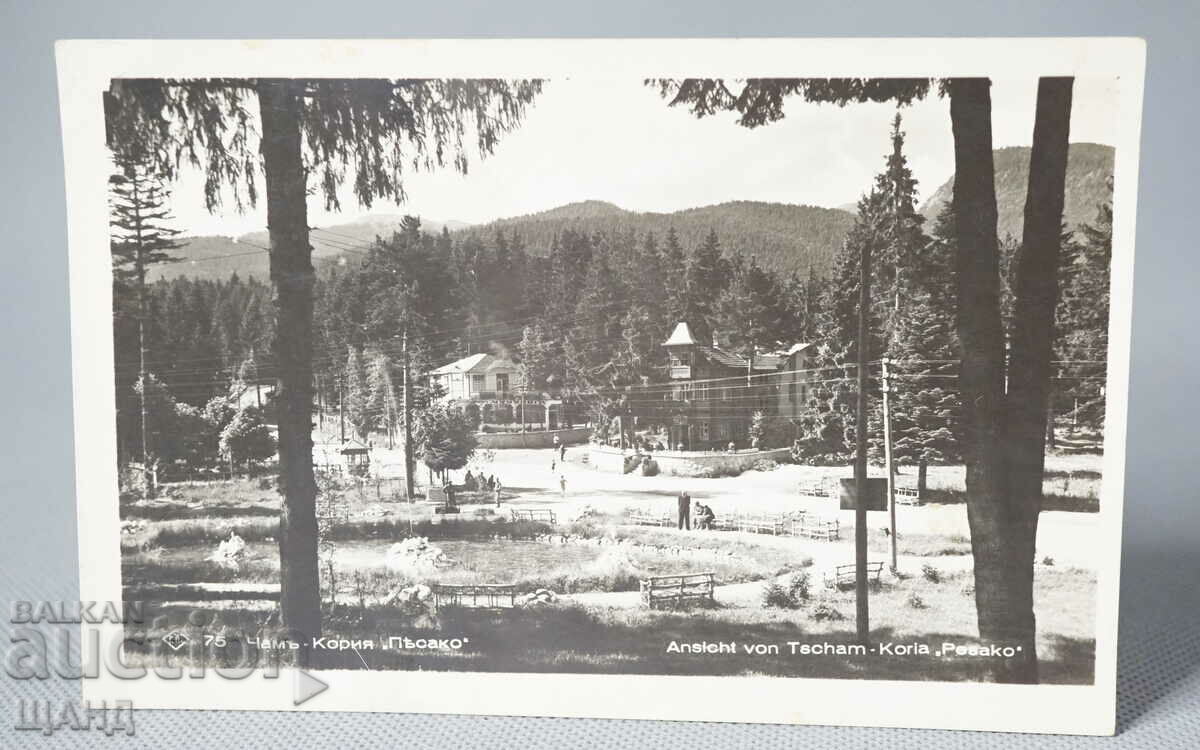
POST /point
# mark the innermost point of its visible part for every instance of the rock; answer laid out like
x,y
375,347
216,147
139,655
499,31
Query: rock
x,y
415,554
230,551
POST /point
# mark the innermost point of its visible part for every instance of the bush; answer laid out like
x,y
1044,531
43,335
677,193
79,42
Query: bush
x,y
775,596
798,587
792,596
931,574
826,611
765,464
916,602
649,468
1048,561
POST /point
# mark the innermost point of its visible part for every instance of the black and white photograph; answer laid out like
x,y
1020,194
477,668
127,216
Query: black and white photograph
x,y
797,376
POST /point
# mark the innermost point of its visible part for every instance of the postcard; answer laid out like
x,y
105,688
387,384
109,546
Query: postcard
x,y
753,380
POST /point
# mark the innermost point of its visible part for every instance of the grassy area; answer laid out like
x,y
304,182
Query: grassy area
x,y
591,639
167,540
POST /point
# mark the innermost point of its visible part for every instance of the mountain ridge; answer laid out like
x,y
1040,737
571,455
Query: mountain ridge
x,y
783,237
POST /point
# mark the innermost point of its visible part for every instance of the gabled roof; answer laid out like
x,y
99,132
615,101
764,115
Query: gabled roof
x,y
476,363
765,362
798,348
681,336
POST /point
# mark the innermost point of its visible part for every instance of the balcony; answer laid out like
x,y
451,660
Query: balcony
x,y
505,395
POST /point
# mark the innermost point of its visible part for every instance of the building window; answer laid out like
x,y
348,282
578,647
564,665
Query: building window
x,y
704,431
476,383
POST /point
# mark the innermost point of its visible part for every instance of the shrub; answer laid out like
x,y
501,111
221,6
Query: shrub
x,y
1047,561
798,587
826,611
916,602
776,596
765,464
792,596
931,574
649,468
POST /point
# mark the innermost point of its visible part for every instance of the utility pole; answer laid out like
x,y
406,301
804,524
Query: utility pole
x,y
257,385
320,411
408,454
862,610
390,414
342,405
887,454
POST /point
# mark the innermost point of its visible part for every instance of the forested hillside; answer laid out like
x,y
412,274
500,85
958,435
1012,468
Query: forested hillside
x,y
217,257
1089,165
779,236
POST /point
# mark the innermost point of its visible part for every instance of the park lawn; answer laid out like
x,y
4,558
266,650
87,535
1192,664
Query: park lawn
x,y
562,568
598,639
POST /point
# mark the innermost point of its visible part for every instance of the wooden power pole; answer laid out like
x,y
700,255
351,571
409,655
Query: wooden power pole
x,y
342,406
862,610
408,452
887,454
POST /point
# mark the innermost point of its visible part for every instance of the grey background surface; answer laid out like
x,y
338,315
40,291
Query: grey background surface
x,y
1160,640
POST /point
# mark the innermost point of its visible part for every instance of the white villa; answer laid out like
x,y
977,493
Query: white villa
x,y
479,377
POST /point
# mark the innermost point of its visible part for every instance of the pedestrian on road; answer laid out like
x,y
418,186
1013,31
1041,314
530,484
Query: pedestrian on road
x,y
684,502
562,483
562,452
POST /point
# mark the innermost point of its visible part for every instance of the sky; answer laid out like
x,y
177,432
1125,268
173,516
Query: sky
x,y
618,141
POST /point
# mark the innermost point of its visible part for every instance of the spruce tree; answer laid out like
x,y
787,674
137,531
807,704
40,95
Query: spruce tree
x,y
138,237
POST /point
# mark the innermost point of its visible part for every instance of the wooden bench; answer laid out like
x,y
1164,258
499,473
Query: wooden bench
x,y
677,591
648,518
844,576
908,496
534,514
481,595
758,523
814,527
816,490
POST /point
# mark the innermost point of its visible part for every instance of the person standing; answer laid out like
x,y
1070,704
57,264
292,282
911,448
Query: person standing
x,y
496,493
684,502
562,452
562,483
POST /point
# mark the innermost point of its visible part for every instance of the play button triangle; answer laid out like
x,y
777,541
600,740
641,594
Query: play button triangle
x,y
307,686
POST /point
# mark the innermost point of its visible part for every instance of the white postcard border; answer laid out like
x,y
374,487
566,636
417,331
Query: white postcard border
x,y
85,69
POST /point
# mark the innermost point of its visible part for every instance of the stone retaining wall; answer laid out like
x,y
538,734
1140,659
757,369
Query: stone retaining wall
x,y
687,463
539,439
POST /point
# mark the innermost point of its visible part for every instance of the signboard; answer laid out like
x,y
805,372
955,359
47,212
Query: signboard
x,y
876,494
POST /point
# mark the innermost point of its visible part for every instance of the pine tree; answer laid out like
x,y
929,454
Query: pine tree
x,y
139,238
357,395
1081,323
707,276
592,346
383,404
748,309
675,280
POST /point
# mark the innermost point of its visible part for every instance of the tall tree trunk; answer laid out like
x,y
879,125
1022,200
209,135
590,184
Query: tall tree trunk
x,y
1004,434
1002,601
1036,282
292,276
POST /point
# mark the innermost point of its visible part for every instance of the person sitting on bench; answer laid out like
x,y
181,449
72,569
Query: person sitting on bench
x,y
704,516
